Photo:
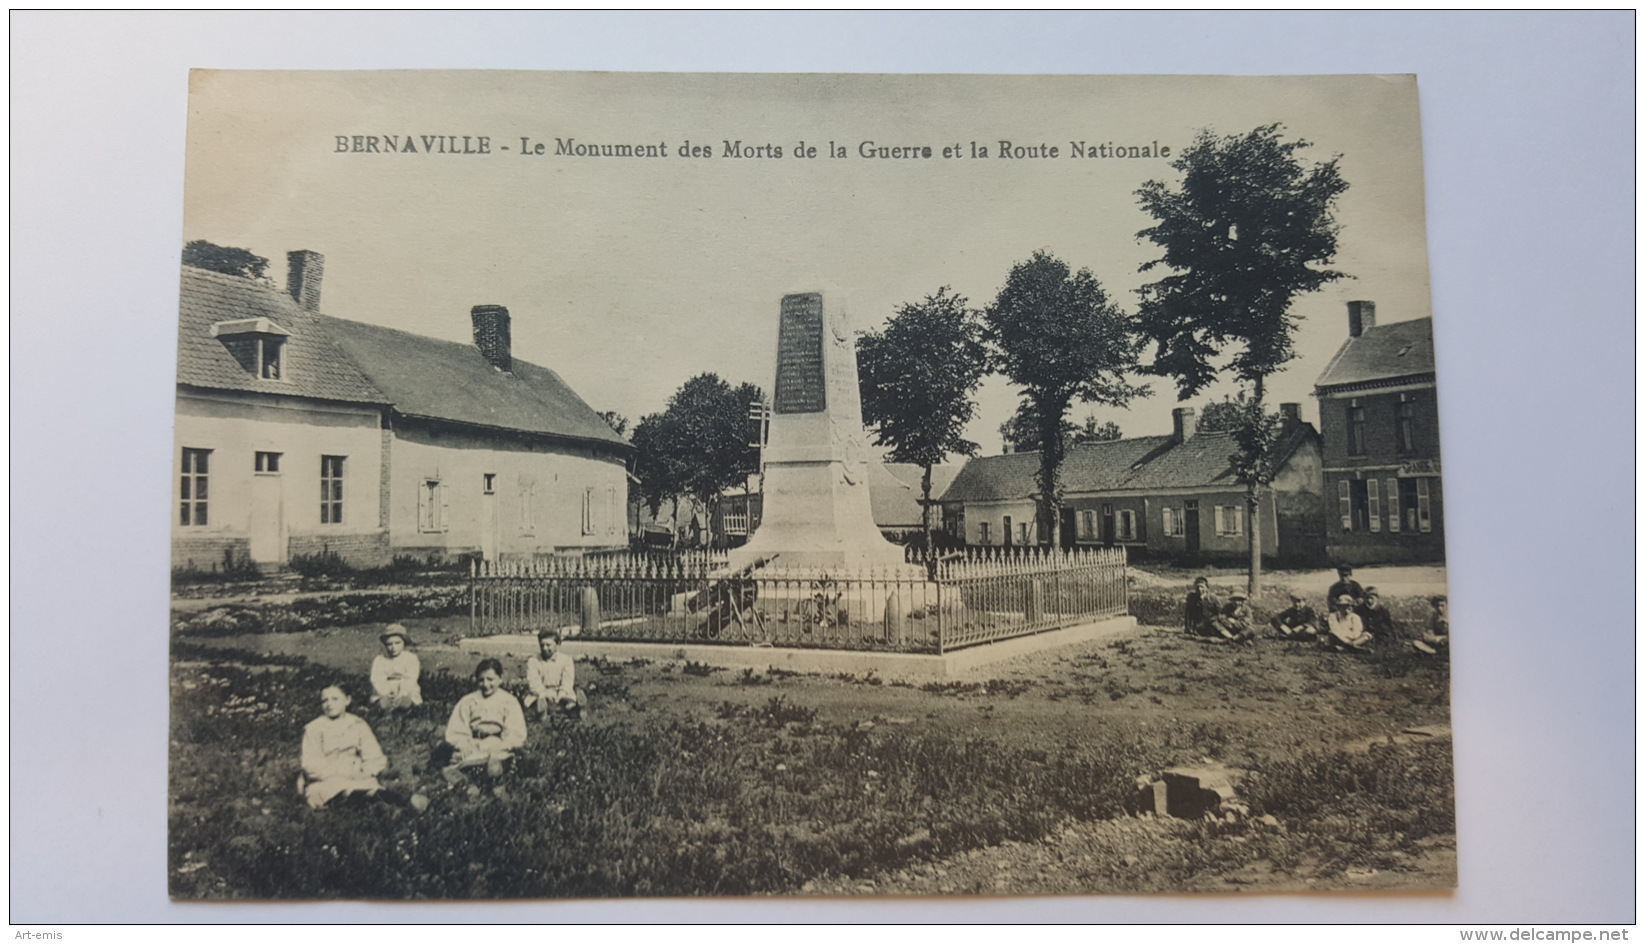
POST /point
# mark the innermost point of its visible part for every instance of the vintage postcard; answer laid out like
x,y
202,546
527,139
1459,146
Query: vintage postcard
x,y
606,485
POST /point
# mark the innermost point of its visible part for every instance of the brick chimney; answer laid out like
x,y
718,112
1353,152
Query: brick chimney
x,y
1182,423
304,270
491,335
1290,414
1361,316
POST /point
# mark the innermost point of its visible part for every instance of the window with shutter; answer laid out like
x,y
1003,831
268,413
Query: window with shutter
x,y
528,508
1345,505
432,507
1425,522
1373,502
1393,505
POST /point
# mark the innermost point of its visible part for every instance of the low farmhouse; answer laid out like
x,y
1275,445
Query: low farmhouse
x,y
1171,496
300,433
1379,419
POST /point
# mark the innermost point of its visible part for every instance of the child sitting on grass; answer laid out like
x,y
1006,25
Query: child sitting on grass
x,y
1345,629
341,757
1297,621
1374,614
486,727
1199,608
1438,638
552,677
1233,621
394,674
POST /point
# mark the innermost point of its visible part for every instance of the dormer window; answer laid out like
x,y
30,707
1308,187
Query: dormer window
x,y
258,345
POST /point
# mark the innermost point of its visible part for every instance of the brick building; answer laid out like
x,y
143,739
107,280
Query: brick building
x,y
1171,496
1379,420
300,433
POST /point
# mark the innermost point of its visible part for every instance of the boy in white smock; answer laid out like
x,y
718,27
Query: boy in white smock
x,y
395,673
551,675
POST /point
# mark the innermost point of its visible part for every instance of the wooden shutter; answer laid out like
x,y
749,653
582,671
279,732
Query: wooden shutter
x,y
1345,505
444,494
1423,520
1393,506
1374,503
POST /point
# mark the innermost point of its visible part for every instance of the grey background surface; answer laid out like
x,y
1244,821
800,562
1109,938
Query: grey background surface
x,y
1528,124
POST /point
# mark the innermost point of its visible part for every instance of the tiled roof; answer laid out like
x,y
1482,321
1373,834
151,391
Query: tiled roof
x,y
1144,463
894,491
314,367
1383,352
445,380
335,359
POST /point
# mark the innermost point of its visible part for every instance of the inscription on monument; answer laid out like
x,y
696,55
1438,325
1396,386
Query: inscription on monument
x,y
800,386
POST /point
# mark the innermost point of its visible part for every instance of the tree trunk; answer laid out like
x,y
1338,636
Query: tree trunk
x,y
1252,498
925,520
1052,450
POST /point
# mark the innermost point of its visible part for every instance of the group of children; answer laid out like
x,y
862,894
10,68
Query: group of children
x,y
1356,618
342,759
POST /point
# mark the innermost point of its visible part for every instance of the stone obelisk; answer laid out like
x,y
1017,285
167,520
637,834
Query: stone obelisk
x,y
816,506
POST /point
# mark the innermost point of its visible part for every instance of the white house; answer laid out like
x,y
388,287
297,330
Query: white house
x,y
302,433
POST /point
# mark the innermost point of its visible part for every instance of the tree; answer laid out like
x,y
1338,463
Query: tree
x,y
658,463
1247,229
615,420
1223,416
1090,432
917,378
228,260
1021,433
697,447
1056,335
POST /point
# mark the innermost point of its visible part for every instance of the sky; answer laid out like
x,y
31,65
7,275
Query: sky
x,y
629,275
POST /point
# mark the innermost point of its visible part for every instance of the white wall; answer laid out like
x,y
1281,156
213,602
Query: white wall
x,y
235,430
552,483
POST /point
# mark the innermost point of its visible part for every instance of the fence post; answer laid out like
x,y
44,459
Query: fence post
x,y
895,625
942,628
591,610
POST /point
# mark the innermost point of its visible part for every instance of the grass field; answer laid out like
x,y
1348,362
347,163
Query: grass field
x,y
691,780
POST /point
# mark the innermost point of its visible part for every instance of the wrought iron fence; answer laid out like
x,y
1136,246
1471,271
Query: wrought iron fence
x,y
695,598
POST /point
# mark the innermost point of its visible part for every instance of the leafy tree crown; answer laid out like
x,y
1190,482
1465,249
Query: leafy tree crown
x,y
1247,229
201,254
918,376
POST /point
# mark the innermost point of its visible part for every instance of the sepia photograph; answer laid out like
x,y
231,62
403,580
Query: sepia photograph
x,y
512,469
600,485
